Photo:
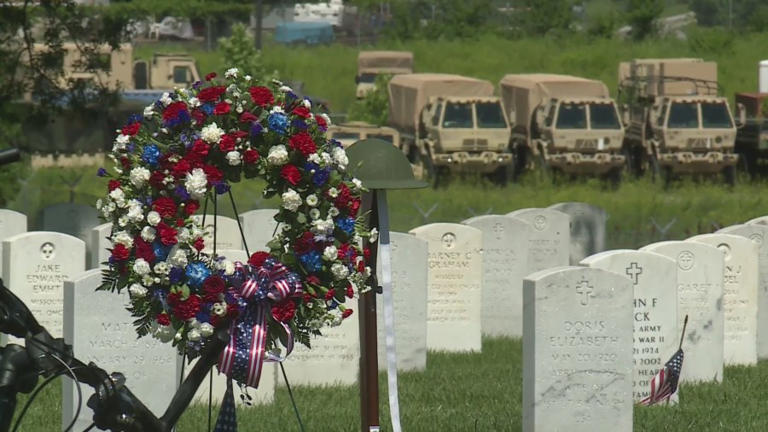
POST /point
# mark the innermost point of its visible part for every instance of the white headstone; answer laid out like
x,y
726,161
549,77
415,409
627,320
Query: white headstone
x,y
259,227
409,289
587,228
654,282
549,242
759,235
101,330
233,255
700,296
454,278
577,351
71,218
99,245
11,223
35,266
334,358
227,232
739,296
505,264
762,220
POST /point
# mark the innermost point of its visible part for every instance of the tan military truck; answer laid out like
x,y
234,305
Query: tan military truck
x,y
563,123
676,121
137,80
371,64
752,134
351,132
450,123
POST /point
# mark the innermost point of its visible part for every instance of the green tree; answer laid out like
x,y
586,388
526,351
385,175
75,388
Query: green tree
x,y
710,13
374,107
642,16
239,51
538,17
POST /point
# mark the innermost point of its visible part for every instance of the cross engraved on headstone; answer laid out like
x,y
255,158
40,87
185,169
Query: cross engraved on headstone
x,y
634,271
585,289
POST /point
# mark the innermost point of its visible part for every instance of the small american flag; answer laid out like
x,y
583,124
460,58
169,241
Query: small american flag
x,y
664,384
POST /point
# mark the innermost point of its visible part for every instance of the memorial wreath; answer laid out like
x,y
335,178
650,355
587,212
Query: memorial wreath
x,y
184,151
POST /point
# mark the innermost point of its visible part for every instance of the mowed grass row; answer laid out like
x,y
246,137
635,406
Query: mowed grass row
x,y
328,71
640,211
468,392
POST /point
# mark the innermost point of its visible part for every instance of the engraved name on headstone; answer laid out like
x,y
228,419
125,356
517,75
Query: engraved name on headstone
x,y
654,284
505,264
739,296
454,278
700,296
577,351
549,241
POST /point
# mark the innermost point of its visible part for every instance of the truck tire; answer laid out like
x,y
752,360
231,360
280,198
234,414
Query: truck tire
x,y
729,175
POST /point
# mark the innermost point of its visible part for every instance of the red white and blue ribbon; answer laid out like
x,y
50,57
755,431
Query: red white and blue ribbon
x,y
260,287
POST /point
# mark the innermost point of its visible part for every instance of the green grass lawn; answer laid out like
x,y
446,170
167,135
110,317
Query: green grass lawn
x,y
468,392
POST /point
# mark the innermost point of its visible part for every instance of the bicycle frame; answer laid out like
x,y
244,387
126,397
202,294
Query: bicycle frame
x,y
114,406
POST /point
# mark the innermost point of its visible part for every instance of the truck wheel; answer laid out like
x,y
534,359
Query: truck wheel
x,y
729,175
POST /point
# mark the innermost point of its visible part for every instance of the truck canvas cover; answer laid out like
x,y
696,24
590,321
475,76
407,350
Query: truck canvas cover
x,y
671,77
385,62
409,93
521,94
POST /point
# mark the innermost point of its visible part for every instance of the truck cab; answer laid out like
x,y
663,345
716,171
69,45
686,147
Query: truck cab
x,y
752,133
580,135
371,64
468,133
165,71
692,134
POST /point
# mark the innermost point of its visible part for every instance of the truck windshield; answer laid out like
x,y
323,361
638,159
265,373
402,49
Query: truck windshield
x,y
572,116
683,115
489,115
367,78
457,115
603,116
714,115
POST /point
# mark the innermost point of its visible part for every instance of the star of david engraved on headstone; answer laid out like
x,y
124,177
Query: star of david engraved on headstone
x,y
634,271
586,290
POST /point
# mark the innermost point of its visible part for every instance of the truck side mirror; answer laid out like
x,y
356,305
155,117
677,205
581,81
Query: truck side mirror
x,y
741,112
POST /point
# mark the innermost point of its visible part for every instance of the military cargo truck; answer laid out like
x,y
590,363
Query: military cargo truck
x,y
564,123
450,123
351,132
371,64
138,80
676,121
752,135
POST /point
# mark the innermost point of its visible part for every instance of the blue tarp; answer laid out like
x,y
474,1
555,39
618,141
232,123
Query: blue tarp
x,y
307,32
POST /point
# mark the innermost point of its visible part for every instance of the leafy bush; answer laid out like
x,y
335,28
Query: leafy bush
x,y
374,107
240,51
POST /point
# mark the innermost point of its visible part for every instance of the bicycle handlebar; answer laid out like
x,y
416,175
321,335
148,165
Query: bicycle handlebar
x,y
115,407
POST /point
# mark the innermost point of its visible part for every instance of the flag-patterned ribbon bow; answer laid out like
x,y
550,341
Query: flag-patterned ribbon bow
x,y
258,288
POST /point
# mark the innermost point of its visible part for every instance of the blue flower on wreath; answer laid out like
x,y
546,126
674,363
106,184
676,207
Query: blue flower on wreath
x,y
319,175
181,192
278,122
346,224
101,172
221,188
151,154
160,250
312,261
175,275
197,272
134,118
207,108
299,124
256,129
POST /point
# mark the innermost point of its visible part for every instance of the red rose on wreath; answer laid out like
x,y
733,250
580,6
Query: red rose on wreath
x,y
199,244
251,156
210,76
330,294
302,142
248,117
131,129
221,108
113,184
120,252
227,143
261,96
167,234
144,250
305,243
346,313
199,151
213,174
291,174
198,115
173,110
190,207
211,94
258,258
165,206
302,111
181,168
213,287
321,123
284,311
188,308
163,319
